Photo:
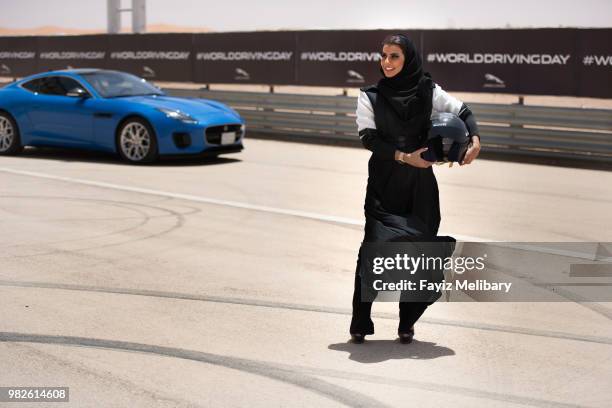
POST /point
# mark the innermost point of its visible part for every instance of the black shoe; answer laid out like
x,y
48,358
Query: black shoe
x,y
406,338
357,338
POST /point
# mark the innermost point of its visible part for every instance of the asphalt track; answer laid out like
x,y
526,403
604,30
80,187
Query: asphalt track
x,y
228,283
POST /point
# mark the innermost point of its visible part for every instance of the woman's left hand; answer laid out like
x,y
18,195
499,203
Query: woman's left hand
x,y
473,151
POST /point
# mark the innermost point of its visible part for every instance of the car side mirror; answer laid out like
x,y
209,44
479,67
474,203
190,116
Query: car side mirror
x,y
78,93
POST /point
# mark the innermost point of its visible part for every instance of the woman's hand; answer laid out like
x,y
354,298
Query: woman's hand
x,y
473,151
414,159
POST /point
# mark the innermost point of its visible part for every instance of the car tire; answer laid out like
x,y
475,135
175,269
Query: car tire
x,y
136,141
10,141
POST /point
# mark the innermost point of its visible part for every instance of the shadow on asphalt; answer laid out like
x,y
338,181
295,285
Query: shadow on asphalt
x,y
376,351
69,155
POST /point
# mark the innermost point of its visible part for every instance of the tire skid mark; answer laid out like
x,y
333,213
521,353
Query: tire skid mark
x,y
102,376
307,308
301,376
144,218
434,387
179,222
331,219
310,383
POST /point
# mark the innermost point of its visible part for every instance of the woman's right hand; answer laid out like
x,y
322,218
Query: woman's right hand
x,y
414,159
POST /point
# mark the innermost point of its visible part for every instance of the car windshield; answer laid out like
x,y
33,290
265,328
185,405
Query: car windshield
x,y
111,84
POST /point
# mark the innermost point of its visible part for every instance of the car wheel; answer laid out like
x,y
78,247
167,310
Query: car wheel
x,y
136,141
10,142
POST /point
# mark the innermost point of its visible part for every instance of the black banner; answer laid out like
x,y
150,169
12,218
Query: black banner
x,y
341,58
87,51
18,56
572,62
259,58
503,61
594,50
162,57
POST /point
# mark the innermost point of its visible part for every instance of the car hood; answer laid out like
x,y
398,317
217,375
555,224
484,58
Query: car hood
x,y
203,110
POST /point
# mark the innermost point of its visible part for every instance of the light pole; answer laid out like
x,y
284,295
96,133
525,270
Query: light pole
x,y
139,16
113,21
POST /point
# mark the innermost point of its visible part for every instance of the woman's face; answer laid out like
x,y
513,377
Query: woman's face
x,y
392,60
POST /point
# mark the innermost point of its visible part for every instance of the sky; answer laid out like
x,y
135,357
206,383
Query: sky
x,y
249,15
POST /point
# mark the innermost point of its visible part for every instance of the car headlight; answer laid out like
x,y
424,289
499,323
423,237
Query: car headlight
x,y
240,131
178,115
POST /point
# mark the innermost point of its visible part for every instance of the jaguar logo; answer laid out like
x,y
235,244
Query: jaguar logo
x,y
241,74
493,82
148,72
354,76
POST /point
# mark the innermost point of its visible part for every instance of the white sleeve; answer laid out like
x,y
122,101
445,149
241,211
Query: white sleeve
x,y
365,113
443,102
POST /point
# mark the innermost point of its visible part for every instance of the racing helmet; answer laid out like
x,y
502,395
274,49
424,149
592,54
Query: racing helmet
x,y
447,139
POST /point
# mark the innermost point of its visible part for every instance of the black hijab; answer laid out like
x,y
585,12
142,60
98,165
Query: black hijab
x,y
401,90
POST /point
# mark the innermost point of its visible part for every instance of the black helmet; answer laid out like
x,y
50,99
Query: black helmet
x,y
447,139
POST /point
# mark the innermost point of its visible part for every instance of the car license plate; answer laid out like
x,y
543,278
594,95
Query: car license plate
x,y
228,138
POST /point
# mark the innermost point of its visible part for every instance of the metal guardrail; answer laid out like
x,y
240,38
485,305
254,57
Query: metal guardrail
x,y
518,129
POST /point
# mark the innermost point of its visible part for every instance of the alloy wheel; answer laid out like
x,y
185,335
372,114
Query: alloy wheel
x,y
135,141
7,134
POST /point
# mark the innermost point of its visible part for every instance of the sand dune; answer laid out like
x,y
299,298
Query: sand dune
x,y
55,30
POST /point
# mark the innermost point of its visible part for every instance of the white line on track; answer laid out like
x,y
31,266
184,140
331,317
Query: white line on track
x,y
207,200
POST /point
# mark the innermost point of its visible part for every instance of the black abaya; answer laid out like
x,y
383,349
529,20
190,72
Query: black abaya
x,y
402,201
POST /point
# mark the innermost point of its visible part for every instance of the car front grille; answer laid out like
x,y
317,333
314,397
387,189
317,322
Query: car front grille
x,y
213,134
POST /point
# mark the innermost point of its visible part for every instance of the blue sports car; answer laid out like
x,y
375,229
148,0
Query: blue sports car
x,y
113,111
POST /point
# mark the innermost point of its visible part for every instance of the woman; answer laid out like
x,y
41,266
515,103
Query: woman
x,y
393,118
